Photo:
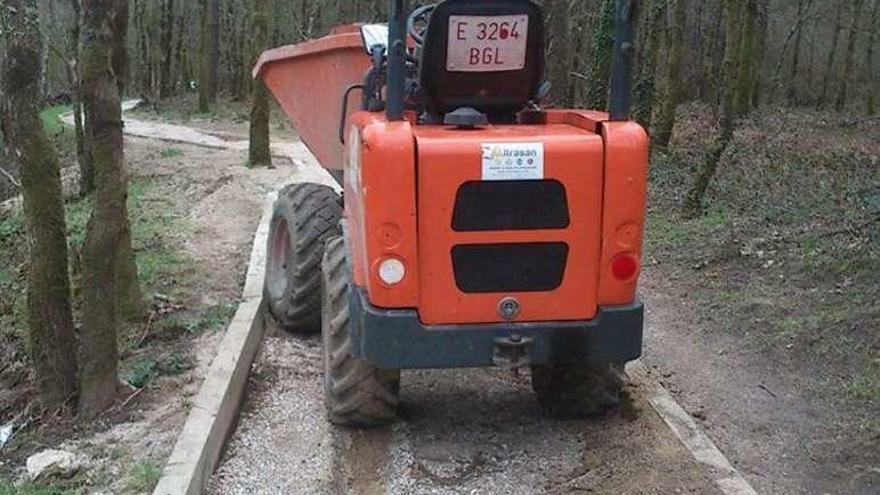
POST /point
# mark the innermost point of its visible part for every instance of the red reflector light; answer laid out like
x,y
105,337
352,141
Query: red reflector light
x,y
624,266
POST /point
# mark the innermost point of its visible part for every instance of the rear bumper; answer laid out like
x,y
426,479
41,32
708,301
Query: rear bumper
x,y
396,339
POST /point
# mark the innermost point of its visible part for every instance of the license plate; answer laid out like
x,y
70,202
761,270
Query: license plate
x,y
487,43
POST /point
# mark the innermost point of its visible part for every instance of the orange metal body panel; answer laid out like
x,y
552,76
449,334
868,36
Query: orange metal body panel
x,y
309,79
449,158
623,219
401,183
380,206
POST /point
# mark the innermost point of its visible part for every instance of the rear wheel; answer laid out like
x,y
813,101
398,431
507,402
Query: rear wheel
x,y
304,217
573,391
356,392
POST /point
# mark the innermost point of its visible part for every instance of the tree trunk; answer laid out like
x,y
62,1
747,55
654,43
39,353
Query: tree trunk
x,y
210,54
179,51
129,289
849,57
166,81
119,53
51,336
260,154
145,68
747,62
558,45
599,71
666,115
711,56
100,317
706,171
763,26
86,171
832,54
869,56
644,91
791,93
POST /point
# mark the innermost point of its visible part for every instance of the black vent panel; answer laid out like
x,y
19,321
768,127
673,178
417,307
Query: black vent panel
x,y
510,205
520,267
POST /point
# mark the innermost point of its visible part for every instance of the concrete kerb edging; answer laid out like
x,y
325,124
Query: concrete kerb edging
x,y
215,407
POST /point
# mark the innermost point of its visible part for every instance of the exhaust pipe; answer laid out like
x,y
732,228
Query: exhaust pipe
x,y
396,60
622,64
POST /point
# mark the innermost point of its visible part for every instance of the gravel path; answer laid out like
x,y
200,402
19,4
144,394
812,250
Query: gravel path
x,y
462,432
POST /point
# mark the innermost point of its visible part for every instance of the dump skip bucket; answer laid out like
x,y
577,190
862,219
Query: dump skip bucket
x,y
309,80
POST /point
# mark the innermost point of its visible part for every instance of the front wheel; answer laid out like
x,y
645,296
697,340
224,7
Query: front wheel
x,y
356,392
304,217
577,391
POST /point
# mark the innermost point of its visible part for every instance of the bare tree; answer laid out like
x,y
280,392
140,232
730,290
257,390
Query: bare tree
x,y
260,154
666,112
645,89
869,55
599,71
802,9
849,56
129,289
747,59
832,53
166,80
210,54
51,335
100,317
706,171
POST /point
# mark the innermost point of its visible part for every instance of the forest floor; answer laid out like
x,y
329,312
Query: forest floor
x,y
764,314
194,211
763,322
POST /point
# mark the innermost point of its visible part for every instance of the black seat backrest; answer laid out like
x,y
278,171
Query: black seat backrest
x,y
496,93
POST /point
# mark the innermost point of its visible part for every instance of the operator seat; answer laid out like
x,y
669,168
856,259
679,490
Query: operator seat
x,y
499,95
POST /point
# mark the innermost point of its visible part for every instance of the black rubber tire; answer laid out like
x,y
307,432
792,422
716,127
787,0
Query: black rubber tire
x,y
573,392
304,217
356,392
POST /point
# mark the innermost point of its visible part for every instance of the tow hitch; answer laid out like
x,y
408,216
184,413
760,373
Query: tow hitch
x,y
512,352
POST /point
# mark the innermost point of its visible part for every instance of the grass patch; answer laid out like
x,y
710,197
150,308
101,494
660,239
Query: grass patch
x,y
9,487
170,153
211,319
142,373
866,385
142,476
152,226
51,118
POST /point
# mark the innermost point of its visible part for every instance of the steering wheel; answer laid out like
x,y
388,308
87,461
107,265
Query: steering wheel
x,y
420,15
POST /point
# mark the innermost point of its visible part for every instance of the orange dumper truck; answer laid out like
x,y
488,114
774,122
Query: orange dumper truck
x,y
476,227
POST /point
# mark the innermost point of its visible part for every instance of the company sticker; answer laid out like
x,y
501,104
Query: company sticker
x,y
513,161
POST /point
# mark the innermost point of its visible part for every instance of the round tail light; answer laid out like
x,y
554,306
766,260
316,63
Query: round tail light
x,y
624,266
